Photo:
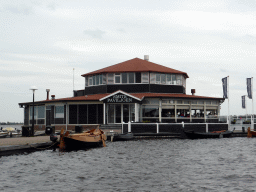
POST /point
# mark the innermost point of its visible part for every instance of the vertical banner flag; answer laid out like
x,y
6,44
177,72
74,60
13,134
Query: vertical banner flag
x,y
249,87
225,87
243,102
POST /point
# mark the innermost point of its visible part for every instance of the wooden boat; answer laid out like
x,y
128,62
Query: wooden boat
x,y
250,133
201,135
88,139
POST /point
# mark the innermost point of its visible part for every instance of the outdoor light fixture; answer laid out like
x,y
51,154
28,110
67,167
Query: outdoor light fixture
x,y
33,88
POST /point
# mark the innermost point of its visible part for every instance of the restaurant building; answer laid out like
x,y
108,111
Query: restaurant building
x,y
136,90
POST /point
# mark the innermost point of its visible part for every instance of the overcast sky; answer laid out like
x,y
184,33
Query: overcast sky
x,y
42,41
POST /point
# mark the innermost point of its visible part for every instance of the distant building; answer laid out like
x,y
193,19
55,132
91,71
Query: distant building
x,y
136,90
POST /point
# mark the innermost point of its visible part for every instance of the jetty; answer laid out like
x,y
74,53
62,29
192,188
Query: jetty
x,y
10,146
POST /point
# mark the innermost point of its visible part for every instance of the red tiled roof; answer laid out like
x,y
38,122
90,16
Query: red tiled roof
x,y
97,97
136,65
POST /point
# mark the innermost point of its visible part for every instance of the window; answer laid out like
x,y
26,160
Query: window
x,y
94,80
124,77
104,79
138,77
90,81
201,102
146,101
117,78
100,79
186,102
163,79
31,112
194,102
179,101
214,103
144,77
158,78
208,102
86,81
168,79
97,77
150,111
178,78
59,112
152,78
131,77
41,112
173,79
110,78
154,101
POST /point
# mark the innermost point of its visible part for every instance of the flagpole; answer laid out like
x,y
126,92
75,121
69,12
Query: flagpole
x,y
245,107
252,104
228,102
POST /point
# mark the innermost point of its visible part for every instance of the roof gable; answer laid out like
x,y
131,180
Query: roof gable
x,y
120,97
136,65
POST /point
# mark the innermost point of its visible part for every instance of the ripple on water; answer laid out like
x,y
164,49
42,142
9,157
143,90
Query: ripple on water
x,y
143,165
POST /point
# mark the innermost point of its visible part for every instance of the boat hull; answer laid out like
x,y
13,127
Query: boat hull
x,y
72,144
89,139
200,135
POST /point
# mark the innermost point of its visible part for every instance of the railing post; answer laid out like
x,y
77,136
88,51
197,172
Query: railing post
x,y
129,127
157,127
206,128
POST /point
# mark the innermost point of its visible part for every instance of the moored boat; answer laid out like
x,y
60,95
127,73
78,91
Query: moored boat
x,y
88,139
3,134
202,135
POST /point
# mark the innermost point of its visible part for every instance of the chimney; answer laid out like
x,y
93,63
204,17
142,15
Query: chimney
x,y
193,91
146,57
53,97
47,90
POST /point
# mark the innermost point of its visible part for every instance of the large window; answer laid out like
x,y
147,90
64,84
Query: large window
x,y
150,111
59,112
41,112
31,112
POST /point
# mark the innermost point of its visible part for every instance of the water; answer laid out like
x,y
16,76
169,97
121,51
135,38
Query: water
x,y
227,164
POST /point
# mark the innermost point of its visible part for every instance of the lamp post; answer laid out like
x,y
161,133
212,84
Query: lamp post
x,y
33,88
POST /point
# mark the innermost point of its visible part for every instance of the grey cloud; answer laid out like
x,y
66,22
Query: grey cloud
x,y
95,33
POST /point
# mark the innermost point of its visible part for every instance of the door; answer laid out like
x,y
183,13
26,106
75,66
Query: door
x,y
48,117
